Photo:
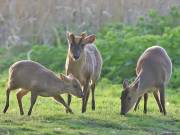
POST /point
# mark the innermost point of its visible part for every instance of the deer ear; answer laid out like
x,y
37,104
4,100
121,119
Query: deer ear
x,y
70,37
136,85
71,75
90,39
83,35
63,77
125,84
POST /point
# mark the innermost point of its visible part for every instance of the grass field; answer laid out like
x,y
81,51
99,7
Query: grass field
x,y
50,118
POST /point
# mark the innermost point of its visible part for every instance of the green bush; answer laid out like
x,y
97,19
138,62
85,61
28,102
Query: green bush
x,y
121,54
51,57
11,55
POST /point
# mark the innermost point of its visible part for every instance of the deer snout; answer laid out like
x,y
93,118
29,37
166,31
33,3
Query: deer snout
x,y
123,110
76,57
82,95
122,113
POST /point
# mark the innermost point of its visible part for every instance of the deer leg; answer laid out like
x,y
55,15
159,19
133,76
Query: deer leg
x,y
7,100
69,101
86,99
93,98
145,102
155,93
162,98
33,101
86,95
59,99
137,103
19,96
69,97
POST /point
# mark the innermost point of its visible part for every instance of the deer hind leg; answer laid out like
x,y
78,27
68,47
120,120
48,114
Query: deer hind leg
x,y
11,86
19,96
145,103
156,96
93,98
162,98
59,99
8,90
137,103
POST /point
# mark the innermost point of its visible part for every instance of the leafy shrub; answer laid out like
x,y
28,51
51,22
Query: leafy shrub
x,y
51,57
121,54
11,55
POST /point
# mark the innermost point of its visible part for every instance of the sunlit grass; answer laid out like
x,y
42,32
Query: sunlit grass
x,y
48,117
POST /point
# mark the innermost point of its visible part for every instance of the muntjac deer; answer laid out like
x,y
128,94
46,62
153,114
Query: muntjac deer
x,y
31,76
84,62
153,70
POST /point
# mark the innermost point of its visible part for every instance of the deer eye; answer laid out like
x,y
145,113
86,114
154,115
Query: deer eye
x,y
75,85
129,98
82,45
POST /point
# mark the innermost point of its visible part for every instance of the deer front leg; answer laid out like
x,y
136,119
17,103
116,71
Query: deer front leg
x,y
137,103
33,101
59,99
69,97
86,96
93,98
145,102
86,99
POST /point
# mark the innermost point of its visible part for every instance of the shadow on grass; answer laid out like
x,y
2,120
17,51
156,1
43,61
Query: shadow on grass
x,y
149,124
146,123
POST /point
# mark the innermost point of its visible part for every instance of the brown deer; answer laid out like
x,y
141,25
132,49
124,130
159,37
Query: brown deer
x,y
84,62
153,71
31,76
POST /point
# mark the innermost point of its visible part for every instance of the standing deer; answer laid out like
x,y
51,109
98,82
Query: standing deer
x,y
84,62
153,70
31,76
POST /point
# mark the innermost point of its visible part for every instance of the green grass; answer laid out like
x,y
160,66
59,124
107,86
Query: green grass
x,y
50,118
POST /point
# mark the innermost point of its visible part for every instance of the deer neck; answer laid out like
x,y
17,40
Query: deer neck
x,y
143,84
63,87
135,87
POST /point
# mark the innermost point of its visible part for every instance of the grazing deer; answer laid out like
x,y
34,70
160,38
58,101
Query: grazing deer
x,y
153,70
84,62
31,76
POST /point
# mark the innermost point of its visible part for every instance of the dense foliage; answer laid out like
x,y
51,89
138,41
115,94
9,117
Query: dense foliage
x,y
120,45
121,51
